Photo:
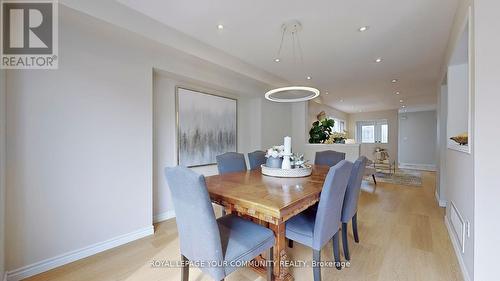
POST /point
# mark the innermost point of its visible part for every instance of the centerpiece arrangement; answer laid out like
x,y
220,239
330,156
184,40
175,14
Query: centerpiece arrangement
x,y
274,156
282,163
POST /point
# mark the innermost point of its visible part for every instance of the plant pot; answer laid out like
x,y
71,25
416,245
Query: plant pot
x,y
274,162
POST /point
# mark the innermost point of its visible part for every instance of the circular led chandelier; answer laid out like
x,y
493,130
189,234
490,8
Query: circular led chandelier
x,y
292,93
298,93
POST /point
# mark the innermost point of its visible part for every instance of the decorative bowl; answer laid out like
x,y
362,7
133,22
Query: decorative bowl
x,y
462,139
286,173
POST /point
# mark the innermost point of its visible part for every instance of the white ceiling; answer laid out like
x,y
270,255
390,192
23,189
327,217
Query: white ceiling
x,y
410,35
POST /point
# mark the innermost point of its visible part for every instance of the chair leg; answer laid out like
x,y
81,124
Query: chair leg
x,y
317,268
290,243
345,243
374,180
185,269
270,266
336,250
355,227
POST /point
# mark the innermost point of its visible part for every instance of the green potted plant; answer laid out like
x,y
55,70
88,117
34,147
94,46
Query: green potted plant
x,y
321,131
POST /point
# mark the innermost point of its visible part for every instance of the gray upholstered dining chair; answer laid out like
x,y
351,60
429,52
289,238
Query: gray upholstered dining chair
x,y
314,228
226,241
231,162
256,158
350,206
328,158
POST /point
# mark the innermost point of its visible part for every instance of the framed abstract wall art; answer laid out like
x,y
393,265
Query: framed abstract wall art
x,y
206,127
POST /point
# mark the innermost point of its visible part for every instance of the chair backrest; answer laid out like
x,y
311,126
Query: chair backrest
x,y
327,221
350,206
198,230
328,158
256,158
231,162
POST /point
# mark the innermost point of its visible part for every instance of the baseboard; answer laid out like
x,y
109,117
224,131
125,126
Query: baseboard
x,y
48,264
421,167
164,216
442,203
456,247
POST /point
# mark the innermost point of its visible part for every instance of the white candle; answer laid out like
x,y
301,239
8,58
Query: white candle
x,y
288,145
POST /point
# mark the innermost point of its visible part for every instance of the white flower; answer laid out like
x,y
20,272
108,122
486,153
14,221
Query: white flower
x,y
275,151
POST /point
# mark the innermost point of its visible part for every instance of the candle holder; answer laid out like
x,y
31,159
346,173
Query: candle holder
x,y
286,164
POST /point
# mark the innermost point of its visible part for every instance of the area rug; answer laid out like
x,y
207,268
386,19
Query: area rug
x,y
401,177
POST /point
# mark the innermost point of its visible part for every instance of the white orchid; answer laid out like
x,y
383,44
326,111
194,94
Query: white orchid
x,y
275,151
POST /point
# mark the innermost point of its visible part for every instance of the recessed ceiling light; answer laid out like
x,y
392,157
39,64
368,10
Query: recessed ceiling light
x,y
403,106
363,28
326,93
401,101
277,60
397,93
394,80
308,78
379,60
220,27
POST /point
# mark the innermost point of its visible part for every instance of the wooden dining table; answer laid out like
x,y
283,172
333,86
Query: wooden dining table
x,y
269,201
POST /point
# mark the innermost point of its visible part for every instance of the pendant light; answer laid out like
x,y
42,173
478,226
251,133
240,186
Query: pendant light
x,y
294,93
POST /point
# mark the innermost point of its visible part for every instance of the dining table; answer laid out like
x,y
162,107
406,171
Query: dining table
x,y
269,201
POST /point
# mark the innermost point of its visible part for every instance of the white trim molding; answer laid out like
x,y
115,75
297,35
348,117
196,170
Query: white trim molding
x,y
442,203
164,216
458,251
421,167
50,263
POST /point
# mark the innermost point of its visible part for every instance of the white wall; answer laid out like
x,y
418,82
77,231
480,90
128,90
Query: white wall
x,y
260,124
460,165
392,118
300,127
80,138
487,134
315,108
2,172
417,138
459,169
79,146
458,102
276,122
442,143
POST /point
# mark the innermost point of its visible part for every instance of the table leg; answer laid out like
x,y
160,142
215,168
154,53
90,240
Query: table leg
x,y
280,257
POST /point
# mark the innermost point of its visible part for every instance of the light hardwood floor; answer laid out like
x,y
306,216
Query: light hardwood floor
x,y
402,237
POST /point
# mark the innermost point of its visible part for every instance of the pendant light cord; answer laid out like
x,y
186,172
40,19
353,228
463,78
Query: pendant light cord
x,y
281,43
299,46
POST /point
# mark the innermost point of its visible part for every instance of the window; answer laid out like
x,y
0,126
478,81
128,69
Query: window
x,y
376,131
367,133
339,125
384,132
